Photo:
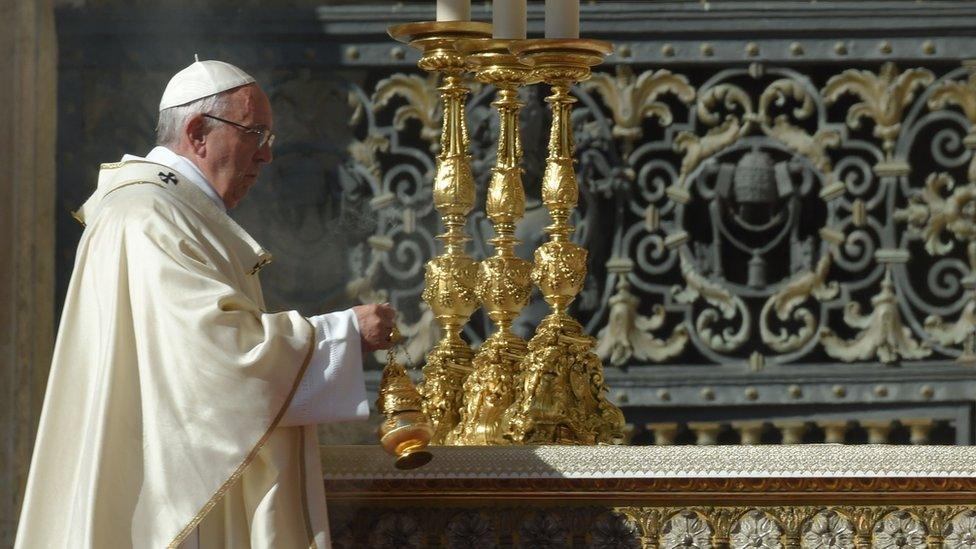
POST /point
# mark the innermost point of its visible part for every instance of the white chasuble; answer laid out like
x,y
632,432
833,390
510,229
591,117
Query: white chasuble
x,y
168,416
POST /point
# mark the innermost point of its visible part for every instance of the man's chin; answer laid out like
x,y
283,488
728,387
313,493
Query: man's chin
x,y
233,203
249,182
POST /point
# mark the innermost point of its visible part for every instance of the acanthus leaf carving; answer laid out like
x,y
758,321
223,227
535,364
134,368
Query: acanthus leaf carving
x,y
962,94
928,215
698,149
364,153
812,147
628,334
632,100
884,97
882,332
422,104
785,88
729,95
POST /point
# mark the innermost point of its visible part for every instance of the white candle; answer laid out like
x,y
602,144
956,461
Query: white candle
x,y
453,10
508,19
562,18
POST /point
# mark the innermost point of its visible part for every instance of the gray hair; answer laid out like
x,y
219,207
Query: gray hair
x,y
173,120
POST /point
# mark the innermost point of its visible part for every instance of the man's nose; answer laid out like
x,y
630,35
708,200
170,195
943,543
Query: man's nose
x,y
264,154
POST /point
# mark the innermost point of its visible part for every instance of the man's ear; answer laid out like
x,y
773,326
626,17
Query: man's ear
x,y
195,133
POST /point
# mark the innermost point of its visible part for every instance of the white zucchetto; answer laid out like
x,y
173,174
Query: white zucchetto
x,y
202,79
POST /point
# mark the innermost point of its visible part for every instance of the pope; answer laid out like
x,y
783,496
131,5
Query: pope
x,y
179,411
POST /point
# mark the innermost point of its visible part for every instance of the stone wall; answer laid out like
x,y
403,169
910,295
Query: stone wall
x,y
27,134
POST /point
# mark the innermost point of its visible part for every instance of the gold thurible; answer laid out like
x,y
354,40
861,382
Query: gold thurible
x,y
405,431
561,394
504,280
449,282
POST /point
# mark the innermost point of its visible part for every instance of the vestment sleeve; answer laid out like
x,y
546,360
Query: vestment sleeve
x,y
333,388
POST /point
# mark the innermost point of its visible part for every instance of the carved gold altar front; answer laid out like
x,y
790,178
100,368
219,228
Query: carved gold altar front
x,y
667,497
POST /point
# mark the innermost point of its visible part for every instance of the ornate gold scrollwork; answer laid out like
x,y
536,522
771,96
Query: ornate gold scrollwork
x,y
792,526
792,519
628,334
929,214
812,147
787,118
698,149
963,95
631,100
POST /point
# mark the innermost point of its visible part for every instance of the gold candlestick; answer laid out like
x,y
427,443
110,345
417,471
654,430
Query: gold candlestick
x,y
449,281
561,398
504,282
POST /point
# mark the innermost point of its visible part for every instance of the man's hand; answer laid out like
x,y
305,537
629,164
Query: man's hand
x,y
375,326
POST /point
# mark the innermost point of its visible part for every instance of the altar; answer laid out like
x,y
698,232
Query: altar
x,y
688,496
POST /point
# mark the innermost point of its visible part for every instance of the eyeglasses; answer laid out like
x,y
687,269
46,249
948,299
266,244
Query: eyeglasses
x,y
265,135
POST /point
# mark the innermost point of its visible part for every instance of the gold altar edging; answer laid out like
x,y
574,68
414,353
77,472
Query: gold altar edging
x,y
687,491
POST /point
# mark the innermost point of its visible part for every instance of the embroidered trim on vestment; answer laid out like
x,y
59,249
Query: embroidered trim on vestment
x,y
304,482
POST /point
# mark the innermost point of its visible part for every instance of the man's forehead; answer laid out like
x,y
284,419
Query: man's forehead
x,y
251,101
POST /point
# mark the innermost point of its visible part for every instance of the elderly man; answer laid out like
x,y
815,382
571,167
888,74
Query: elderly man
x,y
179,412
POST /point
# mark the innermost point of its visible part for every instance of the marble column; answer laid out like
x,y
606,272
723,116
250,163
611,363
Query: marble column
x,y
28,105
